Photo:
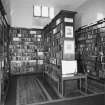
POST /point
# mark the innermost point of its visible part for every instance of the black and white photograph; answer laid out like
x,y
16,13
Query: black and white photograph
x,y
52,52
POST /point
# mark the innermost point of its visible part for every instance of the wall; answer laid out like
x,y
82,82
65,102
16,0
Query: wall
x,y
87,13
22,14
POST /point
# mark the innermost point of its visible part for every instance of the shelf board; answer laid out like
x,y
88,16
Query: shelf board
x,y
24,61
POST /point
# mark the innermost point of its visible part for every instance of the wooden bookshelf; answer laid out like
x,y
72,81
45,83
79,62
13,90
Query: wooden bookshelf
x,y
90,49
4,65
59,43
26,51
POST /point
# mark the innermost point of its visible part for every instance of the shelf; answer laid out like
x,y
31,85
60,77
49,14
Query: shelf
x,y
24,47
92,48
23,61
4,62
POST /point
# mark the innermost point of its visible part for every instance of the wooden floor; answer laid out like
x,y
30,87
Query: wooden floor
x,y
25,90
28,91
11,96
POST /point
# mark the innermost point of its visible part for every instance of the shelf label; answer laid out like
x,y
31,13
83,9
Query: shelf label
x,y
70,20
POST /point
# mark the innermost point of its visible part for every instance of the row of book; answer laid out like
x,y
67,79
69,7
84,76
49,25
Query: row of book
x,y
90,47
26,39
23,32
25,49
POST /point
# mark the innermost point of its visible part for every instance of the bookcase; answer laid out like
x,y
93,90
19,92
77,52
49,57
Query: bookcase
x,y
4,65
90,54
26,50
59,44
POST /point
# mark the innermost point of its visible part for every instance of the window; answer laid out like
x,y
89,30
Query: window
x,y
43,11
51,13
37,11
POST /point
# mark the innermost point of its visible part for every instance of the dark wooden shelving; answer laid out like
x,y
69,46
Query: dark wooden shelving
x,y
55,35
90,48
26,51
4,61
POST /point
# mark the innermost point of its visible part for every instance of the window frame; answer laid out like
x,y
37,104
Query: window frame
x,y
41,6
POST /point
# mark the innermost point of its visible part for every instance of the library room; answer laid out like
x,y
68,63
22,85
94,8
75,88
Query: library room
x,y
52,52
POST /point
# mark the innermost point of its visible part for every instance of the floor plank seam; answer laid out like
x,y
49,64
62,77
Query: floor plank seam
x,y
45,91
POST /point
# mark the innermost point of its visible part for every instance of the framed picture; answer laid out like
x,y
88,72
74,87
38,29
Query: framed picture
x,y
69,47
69,31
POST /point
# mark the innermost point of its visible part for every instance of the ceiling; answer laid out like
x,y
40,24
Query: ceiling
x,y
73,4
62,4
11,5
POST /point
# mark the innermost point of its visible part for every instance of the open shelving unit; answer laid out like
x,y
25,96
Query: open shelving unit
x,y
4,61
26,51
90,40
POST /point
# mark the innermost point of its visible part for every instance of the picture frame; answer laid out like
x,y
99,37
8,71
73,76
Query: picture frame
x,y
69,31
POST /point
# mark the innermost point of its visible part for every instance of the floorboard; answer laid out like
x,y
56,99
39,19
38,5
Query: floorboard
x,y
29,84
28,91
11,96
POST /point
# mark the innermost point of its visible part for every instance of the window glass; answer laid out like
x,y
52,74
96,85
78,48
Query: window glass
x,y
37,10
51,12
44,11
